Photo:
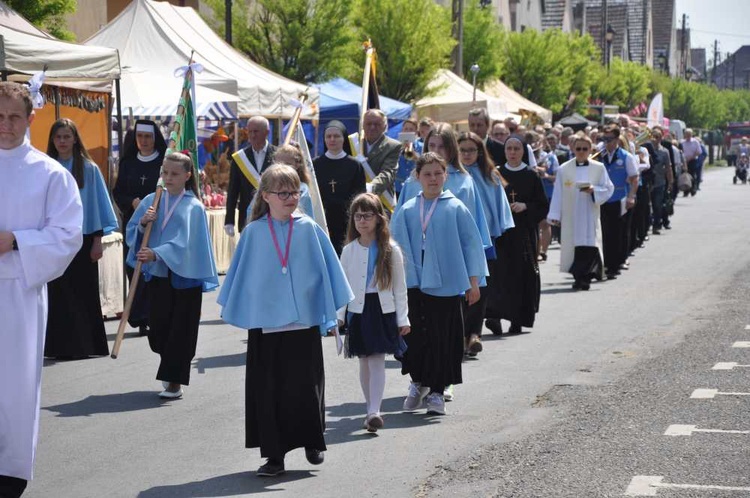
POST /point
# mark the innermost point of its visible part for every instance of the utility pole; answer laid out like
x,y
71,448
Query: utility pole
x,y
683,49
716,60
734,68
458,34
605,20
228,21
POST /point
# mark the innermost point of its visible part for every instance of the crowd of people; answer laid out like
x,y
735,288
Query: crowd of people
x,y
473,217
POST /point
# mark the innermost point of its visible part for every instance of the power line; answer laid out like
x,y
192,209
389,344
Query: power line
x,y
719,33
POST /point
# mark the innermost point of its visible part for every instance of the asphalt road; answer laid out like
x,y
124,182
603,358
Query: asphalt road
x,y
577,408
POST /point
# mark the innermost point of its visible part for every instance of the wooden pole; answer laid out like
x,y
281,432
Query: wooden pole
x,y
134,282
365,92
295,120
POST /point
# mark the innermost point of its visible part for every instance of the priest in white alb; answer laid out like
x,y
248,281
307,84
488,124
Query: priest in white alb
x,y
581,186
40,233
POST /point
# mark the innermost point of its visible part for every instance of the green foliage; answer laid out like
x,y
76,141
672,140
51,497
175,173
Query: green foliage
x,y
304,40
626,85
48,15
483,37
552,68
411,43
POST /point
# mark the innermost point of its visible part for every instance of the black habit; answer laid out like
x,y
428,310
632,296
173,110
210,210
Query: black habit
x,y
339,181
515,290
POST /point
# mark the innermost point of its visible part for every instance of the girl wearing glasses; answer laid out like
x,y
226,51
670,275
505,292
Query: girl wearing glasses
x,y
178,267
445,265
285,285
378,316
490,185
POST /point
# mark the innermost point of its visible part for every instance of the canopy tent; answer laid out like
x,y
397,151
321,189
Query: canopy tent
x,y
340,99
576,121
158,37
453,99
85,73
515,102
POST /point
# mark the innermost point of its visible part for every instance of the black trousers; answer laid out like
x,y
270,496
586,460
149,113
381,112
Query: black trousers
x,y
12,487
612,236
174,319
474,314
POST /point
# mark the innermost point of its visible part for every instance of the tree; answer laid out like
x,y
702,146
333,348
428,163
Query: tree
x,y
552,68
483,41
304,40
48,15
625,85
412,43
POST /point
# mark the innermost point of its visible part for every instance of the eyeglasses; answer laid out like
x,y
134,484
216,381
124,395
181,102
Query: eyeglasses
x,y
363,216
582,149
286,195
468,151
608,139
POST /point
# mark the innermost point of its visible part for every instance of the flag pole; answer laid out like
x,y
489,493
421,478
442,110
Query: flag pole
x,y
369,50
295,119
144,243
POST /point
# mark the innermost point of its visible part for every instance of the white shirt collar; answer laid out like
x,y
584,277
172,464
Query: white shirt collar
x,y
261,151
17,151
149,157
520,167
340,155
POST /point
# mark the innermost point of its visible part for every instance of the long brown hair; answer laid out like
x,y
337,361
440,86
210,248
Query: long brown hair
x,y
80,154
278,176
484,161
370,203
446,133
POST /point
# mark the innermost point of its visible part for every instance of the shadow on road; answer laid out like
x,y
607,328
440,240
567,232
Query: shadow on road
x,y
239,483
108,403
218,321
229,360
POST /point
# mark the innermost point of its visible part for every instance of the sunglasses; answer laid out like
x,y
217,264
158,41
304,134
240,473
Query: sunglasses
x,y
468,151
582,149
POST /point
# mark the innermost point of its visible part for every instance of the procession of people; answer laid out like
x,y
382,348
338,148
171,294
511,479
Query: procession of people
x,y
459,252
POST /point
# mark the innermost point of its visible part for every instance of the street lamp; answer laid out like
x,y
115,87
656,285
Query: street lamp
x,y
609,36
474,70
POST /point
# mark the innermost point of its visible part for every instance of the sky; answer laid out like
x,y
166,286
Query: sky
x,y
725,20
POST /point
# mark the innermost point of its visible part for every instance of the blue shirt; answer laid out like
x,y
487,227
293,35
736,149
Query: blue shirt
x,y
98,213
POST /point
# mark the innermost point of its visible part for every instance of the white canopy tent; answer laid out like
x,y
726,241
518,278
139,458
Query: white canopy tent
x,y
157,37
515,102
454,100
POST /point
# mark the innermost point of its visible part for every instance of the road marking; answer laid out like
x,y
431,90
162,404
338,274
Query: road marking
x,y
747,327
650,485
728,365
688,430
712,393
741,344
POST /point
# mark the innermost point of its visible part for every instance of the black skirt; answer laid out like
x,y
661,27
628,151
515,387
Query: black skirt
x,y
372,331
436,342
75,327
174,318
284,392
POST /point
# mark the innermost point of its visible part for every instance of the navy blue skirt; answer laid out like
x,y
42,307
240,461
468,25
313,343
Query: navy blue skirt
x,y
372,331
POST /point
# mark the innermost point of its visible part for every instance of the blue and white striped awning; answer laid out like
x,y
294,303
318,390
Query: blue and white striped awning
x,y
210,111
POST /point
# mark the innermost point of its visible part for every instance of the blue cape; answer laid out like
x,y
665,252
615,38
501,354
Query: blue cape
x,y
495,203
463,188
98,213
453,248
256,294
184,246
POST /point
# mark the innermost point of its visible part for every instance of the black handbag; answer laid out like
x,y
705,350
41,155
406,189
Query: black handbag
x,y
668,204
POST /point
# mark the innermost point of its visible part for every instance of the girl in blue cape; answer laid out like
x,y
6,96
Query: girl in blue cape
x,y
491,188
178,266
378,316
75,327
442,140
445,264
285,285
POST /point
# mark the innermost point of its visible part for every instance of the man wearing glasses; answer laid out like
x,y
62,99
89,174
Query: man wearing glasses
x,y
616,212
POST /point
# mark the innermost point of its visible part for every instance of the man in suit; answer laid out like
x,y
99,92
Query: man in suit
x,y
382,152
260,153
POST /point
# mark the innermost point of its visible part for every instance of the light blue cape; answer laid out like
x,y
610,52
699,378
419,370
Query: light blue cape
x,y
98,213
495,203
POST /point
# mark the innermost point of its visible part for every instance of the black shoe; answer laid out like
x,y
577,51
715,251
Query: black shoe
x,y
611,276
734,180
655,231
577,285
514,329
667,227
314,456
585,286
271,468
495,326
143,330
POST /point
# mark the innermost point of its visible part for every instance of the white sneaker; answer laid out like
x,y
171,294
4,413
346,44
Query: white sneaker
x,y
435,404
448,393
416,394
